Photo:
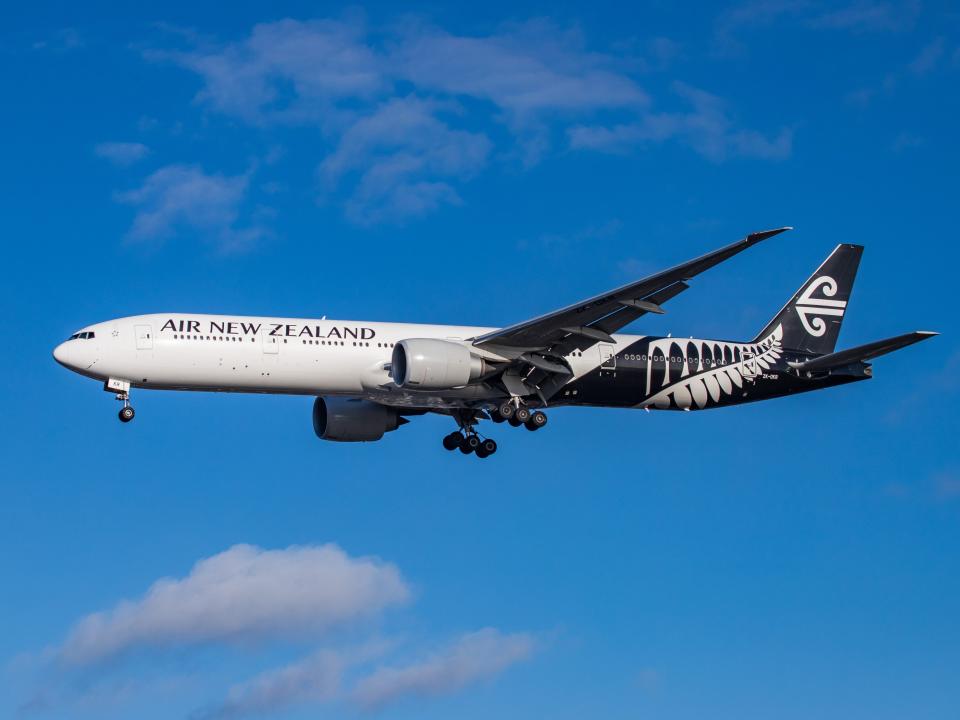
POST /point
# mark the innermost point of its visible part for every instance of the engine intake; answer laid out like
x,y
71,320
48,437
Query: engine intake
x,y
429,364
353,420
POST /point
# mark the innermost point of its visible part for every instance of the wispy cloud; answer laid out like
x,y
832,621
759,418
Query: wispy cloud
x,y
947,485
475,656
287,71
241,595
865,16
60,41
928,59
707,127
859,16
185,198
122,153
404,155
314,596
314,679
409,113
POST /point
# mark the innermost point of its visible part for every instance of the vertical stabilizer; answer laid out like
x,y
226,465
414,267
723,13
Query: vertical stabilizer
x,y
811,320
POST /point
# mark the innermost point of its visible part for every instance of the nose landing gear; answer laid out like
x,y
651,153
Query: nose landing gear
x,y
121,388
126,413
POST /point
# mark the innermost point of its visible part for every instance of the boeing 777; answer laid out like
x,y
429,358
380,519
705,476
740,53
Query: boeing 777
x,y
369,378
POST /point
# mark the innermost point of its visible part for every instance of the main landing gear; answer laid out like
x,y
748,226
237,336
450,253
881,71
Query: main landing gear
x,y
518,415
470,443
512,411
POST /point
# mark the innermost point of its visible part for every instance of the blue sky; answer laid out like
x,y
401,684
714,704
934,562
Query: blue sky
x,y
791,559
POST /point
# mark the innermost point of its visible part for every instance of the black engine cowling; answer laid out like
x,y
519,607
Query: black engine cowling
x,y
353,419
430,364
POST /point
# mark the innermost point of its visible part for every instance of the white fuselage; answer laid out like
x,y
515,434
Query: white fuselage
x,y
224,353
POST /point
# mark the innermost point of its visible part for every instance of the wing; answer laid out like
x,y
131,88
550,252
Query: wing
x,y
535,349
593,320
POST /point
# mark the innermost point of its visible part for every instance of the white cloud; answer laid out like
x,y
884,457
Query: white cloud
x,y
287,70
243,594
403,154
398,111
122,153
314,679
707,128
857,16
865,15
475,656
525,70
184,197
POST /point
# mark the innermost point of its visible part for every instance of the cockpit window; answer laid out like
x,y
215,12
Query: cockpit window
x,y
82,336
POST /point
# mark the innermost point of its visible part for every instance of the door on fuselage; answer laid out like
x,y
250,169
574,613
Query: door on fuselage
x,y
270,343
144,336
608,360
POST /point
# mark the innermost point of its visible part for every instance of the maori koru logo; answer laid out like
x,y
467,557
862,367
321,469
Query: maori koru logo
x,y
812,309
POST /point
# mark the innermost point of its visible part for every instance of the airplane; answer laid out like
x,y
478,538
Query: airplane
x,y
369,378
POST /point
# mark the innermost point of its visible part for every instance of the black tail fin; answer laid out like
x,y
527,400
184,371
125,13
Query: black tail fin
x,y
811,320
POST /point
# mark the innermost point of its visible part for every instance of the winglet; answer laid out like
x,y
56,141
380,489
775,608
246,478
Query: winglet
x,y
764,234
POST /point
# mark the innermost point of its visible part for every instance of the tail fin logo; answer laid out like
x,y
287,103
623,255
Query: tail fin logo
x,y
812,309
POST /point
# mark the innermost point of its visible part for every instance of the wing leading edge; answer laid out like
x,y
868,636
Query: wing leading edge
x,y
583,324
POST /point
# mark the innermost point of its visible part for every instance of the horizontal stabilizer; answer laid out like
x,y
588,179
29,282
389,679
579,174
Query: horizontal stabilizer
x,y
863,352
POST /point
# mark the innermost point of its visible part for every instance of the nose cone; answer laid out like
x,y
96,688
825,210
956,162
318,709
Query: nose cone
x,y
66,354
60,353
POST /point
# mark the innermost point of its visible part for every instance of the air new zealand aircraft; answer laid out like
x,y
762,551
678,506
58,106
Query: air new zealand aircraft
x,y
369,378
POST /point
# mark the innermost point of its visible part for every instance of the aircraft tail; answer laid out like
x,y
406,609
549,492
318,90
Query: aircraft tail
x,y
811,320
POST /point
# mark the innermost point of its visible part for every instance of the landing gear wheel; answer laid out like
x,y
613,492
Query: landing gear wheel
x,y
126,414
513,421
506,410
496,416
522,414
537,420
469,444
453,440
487,447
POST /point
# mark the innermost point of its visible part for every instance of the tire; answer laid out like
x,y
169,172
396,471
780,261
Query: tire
x,y
537,420
488,446
514,422
506,410
469,444
452,441
522,414
481,453
126,414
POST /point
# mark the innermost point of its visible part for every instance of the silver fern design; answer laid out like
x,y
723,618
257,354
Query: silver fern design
x,y
809,306
706,370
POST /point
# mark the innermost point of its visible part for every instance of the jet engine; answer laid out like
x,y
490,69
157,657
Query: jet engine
x,y
429,364
353,420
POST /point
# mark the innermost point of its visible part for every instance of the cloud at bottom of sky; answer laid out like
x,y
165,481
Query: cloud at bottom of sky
x,y
247,599
243,595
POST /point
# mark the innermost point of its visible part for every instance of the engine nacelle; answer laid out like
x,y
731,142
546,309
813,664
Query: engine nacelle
x,y
352,419
429,364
